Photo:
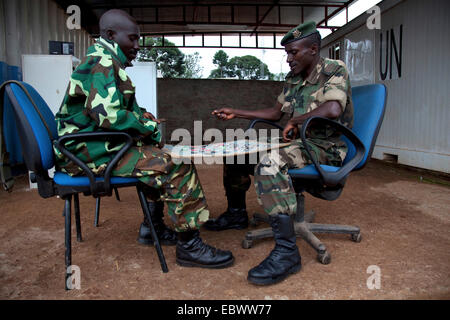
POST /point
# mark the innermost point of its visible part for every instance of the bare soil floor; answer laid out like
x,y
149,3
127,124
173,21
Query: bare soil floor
x,y
404,218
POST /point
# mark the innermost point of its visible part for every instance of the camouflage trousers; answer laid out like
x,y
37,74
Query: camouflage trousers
x,y
274,188
176,184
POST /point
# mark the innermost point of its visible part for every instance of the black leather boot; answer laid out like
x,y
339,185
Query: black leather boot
x,y
193,252
233,218
165,235
284,259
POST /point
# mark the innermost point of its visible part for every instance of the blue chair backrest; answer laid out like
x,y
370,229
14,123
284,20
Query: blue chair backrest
x,y
10,132
369,104
34,136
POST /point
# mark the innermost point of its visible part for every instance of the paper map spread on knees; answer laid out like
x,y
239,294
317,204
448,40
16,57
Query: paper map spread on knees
x,y
223,149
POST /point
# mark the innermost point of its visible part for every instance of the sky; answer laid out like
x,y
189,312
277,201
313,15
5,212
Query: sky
x,y
274,58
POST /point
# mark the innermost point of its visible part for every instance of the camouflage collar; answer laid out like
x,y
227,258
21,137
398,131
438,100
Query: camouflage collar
x,y
313,76
115,51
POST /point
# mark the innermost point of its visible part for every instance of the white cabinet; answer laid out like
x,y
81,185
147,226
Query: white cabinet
x,y
49,75
143,75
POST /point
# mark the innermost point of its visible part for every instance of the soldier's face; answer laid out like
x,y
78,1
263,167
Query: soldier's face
x,y
300,55
127,37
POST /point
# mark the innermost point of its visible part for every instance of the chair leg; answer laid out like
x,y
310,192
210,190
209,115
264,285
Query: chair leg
x,y
76,204
116,192
97,212
68,240
159,251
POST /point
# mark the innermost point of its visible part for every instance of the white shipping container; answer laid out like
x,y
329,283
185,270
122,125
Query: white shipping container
x,y
410,54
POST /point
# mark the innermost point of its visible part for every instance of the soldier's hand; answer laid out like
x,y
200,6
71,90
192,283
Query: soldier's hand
x,y
224,114
150,116
290,132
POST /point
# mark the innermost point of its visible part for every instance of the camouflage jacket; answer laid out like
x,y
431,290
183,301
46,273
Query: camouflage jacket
x,y
328,81
101,97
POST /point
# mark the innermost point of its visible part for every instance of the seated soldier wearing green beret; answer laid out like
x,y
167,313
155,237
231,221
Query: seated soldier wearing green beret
x,y
315,86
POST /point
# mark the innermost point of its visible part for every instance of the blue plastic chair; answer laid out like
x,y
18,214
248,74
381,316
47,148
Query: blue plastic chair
x,y
38,133
327,182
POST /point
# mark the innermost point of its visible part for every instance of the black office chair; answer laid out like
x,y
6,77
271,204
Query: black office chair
x,y
327,182
38,133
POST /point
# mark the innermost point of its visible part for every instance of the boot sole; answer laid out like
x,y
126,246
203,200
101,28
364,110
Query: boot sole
x,y
222,265
267,281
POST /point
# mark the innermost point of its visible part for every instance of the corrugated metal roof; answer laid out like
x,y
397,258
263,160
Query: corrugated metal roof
x,y
175,16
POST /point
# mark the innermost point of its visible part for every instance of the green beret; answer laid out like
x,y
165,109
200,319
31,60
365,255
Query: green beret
x,y
299,32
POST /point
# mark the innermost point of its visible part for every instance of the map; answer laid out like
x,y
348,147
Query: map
x,y
223,149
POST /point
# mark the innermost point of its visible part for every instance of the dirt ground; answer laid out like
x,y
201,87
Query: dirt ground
x,y
404,218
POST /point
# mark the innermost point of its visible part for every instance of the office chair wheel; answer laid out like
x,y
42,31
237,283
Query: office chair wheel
x,y
247,244
324,258
356,237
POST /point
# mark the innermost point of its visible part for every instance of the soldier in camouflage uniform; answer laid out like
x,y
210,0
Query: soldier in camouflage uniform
x,y
101,97
314,87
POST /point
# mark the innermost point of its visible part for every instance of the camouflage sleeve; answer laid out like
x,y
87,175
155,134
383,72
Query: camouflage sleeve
x,y
281,98
286,105
337,86
104,105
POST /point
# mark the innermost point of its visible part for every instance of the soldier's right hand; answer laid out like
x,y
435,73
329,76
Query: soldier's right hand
x,y
224,114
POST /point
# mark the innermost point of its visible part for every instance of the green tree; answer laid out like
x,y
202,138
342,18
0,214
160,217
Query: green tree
x,y
249,67
193,68
220,59
245,67
170,61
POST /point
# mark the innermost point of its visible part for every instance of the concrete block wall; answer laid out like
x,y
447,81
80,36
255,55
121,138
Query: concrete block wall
x,y
183,101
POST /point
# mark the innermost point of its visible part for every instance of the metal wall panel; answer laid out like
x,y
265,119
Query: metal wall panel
x,y
415,130
26,27
2,32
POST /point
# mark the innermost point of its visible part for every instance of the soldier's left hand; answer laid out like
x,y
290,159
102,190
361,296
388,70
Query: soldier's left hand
x,y
149,115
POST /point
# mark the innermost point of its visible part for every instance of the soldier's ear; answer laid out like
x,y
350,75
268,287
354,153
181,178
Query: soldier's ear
x,y
314,49
110,34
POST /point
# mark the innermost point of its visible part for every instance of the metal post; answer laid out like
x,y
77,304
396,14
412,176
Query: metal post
x,y
97,212
76,205
159,251
68,235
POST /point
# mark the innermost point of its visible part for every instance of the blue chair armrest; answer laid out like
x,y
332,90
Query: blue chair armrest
x,y
329,178
98,187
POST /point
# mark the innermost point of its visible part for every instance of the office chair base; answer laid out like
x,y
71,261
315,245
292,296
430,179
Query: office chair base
x,y
305,230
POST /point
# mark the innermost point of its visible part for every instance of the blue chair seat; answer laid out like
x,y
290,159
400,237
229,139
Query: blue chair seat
x,y
310,171
64,179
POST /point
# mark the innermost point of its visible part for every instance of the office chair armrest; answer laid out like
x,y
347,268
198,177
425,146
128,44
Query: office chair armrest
x,y
255,121
97,187
332,179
